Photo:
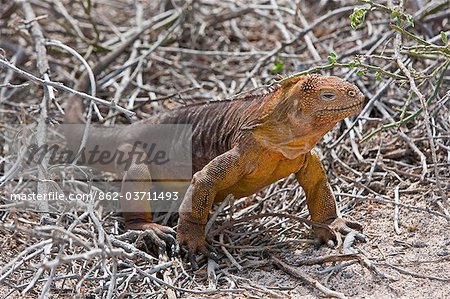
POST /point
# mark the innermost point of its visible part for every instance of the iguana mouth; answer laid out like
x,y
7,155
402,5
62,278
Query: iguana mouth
x,y
345,108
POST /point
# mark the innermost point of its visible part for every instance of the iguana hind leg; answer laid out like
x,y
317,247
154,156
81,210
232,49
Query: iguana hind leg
x,y
136,178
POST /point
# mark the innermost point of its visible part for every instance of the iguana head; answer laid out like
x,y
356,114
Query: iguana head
x,y
303,109
320,99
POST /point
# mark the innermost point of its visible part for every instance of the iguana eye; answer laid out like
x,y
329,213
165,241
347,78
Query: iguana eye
x,y
327,96
351,93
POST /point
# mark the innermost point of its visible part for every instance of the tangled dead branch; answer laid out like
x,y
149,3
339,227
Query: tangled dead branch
x,y
167,54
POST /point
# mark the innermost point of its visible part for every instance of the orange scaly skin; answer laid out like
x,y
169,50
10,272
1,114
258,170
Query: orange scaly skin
x,y
275,139
240,147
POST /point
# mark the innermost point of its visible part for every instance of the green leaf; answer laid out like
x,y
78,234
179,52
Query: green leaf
x,y
352,64
357,17
277,67
410,19
332,57
361,72
395,14
444,37
377,76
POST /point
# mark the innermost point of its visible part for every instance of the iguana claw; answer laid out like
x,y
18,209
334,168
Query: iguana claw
x,y
207,250
191,237
340,227
146,234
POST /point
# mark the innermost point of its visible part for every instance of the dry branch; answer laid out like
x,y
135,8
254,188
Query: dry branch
x,y
160,56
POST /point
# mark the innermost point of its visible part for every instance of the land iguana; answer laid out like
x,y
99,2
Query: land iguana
x,y
247,144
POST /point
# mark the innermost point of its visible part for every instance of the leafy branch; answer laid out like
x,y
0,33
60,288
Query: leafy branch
x,y
412,116
356,63
359,14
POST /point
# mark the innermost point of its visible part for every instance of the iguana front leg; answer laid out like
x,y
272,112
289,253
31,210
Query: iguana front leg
x,y
222,172
321,202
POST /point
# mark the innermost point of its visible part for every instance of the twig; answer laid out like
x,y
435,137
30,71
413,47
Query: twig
x,y
423,102
44,70
396,210
261,62
306,278
417,275
61,86
93,90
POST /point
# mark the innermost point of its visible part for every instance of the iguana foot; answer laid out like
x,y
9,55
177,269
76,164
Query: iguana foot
x,y
339,227
148,234
191,237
